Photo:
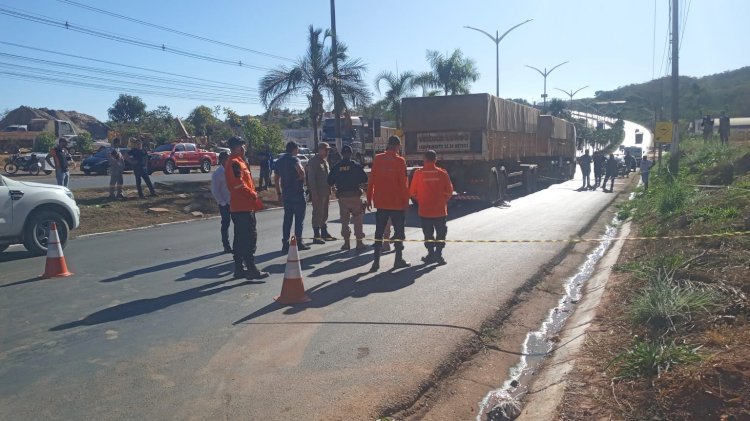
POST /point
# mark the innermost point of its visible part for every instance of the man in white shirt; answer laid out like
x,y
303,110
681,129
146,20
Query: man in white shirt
x,y
645,169
221,194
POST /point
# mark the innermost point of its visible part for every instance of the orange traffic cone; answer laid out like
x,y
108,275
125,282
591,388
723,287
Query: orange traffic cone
x,y
292,290
55,265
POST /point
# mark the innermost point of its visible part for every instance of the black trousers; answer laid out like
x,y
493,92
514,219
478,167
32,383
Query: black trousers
x,y
245,238
431,227
398,219
145,177
611,178
597,178
226,219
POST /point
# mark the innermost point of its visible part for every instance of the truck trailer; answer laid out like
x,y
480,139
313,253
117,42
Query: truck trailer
x,y
487,144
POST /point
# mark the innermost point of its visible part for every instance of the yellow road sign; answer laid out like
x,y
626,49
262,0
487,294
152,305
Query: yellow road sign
x,y
663,132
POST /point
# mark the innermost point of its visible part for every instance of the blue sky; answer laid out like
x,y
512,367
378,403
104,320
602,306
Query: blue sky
x,y
609,43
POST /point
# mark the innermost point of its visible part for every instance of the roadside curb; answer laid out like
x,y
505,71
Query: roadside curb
x,y
547,391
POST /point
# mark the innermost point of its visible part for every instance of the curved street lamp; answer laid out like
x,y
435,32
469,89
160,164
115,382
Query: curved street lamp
x,y
571,94
544,74
496,39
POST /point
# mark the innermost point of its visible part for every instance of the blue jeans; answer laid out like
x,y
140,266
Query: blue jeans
x,y
294,208
644,178
63,178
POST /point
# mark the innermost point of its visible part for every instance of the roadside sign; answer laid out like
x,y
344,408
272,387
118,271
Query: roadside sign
x,y
663,132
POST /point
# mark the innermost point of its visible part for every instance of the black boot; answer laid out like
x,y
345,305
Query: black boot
x,y
400,263
376,262
239,270
284,246
326,235
317,235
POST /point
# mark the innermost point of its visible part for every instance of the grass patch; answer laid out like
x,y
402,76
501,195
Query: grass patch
x,y
652,358
662,303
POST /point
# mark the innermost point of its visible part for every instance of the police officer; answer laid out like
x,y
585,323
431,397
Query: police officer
x,y
389,193
348,177
320,193
243,204
610,173
432,188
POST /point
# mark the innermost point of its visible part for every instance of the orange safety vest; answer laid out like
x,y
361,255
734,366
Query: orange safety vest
x,y
431,187
388,187
242,194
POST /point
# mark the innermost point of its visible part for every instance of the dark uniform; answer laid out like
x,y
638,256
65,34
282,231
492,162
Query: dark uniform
x,y
243,204
139,160
348,177
599,161
585,162
610,173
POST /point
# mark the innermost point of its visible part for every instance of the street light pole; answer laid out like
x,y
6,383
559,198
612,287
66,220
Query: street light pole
x,y
544,74
674,152
571,94
496,39
335,52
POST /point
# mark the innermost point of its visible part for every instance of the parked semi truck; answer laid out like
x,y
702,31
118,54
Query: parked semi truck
x,y
487,144
22,136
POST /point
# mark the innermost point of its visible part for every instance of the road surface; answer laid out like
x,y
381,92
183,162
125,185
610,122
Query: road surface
x,y
152,327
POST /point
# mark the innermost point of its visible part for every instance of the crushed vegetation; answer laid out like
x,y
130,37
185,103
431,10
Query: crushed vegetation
x,y
674,343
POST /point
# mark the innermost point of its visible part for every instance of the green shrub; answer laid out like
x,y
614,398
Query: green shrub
x,y
648,359
672,198
84,143
44,142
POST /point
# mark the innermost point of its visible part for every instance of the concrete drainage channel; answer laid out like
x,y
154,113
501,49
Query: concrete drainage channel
x,y
503,403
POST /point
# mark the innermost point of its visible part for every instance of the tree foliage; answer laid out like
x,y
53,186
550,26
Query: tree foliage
x,y
127,109
44,142
203,120
397,87
259,134
452,73
312,77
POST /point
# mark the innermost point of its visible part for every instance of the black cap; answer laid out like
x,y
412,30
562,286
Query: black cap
x,y
234,142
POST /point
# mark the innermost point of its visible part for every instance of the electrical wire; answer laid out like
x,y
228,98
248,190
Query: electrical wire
x,y
653,47
24,15
174,31
684,24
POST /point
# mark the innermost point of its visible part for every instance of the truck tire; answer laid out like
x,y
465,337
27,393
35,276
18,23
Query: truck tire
x,y
36,231
494,192
205,166
169,167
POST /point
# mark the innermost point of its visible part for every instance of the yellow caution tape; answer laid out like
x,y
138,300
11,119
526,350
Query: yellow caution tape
x,y
571,240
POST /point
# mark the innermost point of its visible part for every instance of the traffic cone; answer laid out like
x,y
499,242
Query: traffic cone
x,y
55,266
292,290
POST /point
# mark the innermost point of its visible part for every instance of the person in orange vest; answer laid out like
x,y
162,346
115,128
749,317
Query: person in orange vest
x,y
431,188
243,203
388,191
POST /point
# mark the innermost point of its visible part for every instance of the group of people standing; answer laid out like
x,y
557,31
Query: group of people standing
x,y
609,168
387,190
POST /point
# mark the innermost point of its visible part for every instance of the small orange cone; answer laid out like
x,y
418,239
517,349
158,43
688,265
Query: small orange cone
x,y
293,290
55,265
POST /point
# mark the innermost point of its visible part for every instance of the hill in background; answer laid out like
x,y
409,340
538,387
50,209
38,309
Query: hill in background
x,y
82,122
728,91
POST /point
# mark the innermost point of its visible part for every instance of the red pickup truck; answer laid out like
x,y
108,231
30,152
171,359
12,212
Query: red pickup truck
x,y
181,157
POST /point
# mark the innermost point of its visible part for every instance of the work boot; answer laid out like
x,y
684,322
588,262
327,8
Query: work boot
x,y
439,259
239,270
400,263
303,246
347,244
284,246
253,273
375,265
361,246
430,258
227,249
326,235
317,239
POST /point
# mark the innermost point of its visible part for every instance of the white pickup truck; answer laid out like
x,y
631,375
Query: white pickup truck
x,y
27,209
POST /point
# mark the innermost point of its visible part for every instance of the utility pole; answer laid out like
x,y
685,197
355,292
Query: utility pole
x,y
335,52
544,74
674,153
496,39
571,94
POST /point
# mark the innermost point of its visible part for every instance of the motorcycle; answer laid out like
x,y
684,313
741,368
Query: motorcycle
x,y
17,162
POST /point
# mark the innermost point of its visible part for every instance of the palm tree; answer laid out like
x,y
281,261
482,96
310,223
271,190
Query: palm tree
x,y
453,73
398,86
426,81
312,76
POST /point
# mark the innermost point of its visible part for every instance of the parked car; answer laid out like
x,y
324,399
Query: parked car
x,y
306,152
181,157
27,209
99,162
302,158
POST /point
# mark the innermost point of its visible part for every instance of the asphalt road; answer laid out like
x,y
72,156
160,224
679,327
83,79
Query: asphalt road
x,y
152,327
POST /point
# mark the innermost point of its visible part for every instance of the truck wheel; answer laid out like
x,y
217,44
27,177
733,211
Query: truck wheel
x,y
494,192
11,168
169,167
205,166
36,232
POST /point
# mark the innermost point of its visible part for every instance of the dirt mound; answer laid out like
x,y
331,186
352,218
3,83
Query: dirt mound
x,y
82,122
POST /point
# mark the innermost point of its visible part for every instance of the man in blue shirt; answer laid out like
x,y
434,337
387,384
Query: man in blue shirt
x,y
290,186
139,161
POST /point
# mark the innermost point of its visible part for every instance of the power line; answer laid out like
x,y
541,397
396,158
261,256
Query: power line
x,y
653,48
120,64
124,39
174,31
684,23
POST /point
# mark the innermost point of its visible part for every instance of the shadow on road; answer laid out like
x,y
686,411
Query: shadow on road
x,y
150,305
326,293
161,266
307,263
25,281
8,256
214,271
